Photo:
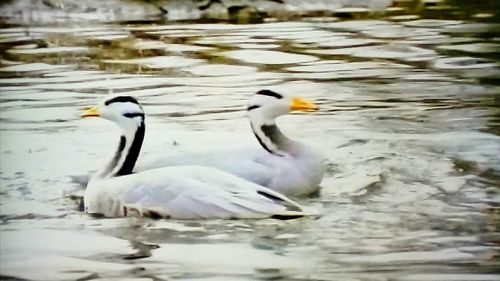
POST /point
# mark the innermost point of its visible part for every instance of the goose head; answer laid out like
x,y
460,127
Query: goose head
x,y
266,105
125,111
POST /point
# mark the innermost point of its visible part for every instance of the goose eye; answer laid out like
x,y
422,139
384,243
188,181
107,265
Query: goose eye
x,y
132,115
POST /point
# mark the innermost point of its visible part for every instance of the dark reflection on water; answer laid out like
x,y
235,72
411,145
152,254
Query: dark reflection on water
x,y
408,121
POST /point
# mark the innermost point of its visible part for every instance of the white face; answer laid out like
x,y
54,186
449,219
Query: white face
x,y
118,110
265,106
123,110
268,106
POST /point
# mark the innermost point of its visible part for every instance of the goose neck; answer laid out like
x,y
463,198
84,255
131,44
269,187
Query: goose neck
x,y
126,155
271,138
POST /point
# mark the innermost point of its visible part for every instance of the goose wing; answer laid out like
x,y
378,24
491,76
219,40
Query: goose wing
x,y
283,174
246,163
190,192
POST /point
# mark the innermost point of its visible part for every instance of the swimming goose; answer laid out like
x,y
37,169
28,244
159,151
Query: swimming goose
x,y
181,192
282,164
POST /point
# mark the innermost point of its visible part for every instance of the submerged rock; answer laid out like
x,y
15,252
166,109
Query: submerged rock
x,y
54,11
238,11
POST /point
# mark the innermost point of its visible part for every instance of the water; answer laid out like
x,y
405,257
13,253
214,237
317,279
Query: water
x,y
408,120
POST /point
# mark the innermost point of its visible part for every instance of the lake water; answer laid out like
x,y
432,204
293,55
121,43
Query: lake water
x,y
409,122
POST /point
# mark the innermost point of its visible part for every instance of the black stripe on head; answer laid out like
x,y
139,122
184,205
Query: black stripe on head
x,y
121,99
132,115
253,107
269,93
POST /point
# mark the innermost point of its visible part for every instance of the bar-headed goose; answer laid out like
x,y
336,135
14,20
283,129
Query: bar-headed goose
x,y
282,164
182,192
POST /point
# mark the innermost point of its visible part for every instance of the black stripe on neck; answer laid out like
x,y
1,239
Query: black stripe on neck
x,y
121,99
262,143
252,107
117,156
269,93
133,153
273,133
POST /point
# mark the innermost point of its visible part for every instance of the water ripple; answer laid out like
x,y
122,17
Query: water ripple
x,y
408,121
